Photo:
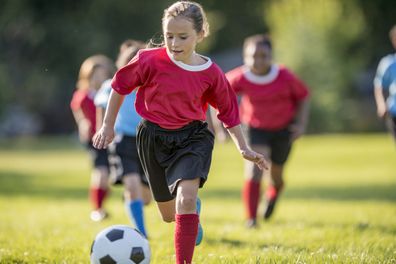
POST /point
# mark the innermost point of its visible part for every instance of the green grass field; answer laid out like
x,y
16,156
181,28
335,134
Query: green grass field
x,y
339,205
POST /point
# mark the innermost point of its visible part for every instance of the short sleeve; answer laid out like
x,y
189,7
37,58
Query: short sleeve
x,y
299,89
389,77
383,66
76,100
233,77
128,77
380,72
223,98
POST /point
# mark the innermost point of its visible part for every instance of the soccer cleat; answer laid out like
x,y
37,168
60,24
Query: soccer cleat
x,y
251,223
198,240
98,215
270,208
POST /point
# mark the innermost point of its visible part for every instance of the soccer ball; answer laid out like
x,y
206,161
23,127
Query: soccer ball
x,y
120,244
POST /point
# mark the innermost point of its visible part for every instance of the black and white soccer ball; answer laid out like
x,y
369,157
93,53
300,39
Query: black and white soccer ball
x,y
120,244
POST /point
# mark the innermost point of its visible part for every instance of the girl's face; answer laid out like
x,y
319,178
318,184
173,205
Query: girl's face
x,y
181,38
258,58
99,75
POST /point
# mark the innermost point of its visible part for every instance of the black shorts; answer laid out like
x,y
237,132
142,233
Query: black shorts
x,y
169,156
124,159
278,141
99,156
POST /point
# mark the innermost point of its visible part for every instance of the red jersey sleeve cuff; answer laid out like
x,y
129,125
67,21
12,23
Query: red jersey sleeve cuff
x,y
116,87
231,124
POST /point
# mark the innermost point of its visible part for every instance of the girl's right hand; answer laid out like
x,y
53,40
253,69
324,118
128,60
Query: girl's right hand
x,y
103,137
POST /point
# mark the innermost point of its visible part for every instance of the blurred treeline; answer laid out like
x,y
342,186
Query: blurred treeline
x,y
333,45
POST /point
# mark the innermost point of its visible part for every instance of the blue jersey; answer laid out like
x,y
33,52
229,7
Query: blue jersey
x,y
386,79
127,118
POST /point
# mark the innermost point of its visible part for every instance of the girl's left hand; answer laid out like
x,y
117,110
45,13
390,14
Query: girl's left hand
x,y
255,157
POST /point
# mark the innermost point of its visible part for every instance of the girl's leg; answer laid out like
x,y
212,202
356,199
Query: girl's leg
x,y
98,192
132,186
251,189
281,146
133,200
146,194
187,220
167,210
277,176
274,189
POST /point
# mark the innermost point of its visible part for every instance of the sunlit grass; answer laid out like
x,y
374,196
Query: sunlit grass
x,y
338,206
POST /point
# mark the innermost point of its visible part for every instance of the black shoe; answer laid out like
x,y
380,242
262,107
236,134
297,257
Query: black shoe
x,y
270,208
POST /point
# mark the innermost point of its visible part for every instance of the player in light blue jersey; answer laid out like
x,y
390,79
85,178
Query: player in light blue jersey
x,y
385,86
123,157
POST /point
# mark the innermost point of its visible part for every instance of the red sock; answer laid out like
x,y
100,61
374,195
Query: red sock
x,y
97,196
185,234
251,195
272,192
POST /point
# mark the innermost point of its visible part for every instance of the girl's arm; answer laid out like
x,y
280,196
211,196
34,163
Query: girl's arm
x,y
218,128
301,120
105,134
240,142
380,101
83,125
100,111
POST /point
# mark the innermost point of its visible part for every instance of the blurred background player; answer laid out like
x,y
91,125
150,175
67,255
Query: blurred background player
x,y
125,166
93,72
385,86
274,109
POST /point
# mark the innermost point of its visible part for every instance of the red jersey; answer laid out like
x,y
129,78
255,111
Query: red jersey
x,y
173,94
269,101
84,100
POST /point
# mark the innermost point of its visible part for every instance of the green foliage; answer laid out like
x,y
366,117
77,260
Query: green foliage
x,y
318,40
338,207
329,43
44,42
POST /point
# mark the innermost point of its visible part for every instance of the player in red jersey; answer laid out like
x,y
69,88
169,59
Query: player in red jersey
x,y
125,166
274,108
93,72
175,85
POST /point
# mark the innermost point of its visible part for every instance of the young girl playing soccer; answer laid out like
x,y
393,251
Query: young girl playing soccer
x,y
274,108
175,85
93,72
124,162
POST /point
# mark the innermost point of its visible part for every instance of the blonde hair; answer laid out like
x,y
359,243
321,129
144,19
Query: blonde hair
x,y
89,66
192,11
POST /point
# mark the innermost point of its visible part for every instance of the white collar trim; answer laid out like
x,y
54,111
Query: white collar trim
x,y
262,79
188,67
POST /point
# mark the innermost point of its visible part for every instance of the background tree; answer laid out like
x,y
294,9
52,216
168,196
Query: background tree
x,y
335,45
317,38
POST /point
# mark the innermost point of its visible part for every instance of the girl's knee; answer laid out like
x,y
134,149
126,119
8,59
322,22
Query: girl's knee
x,y
168,218
187,203
146,201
